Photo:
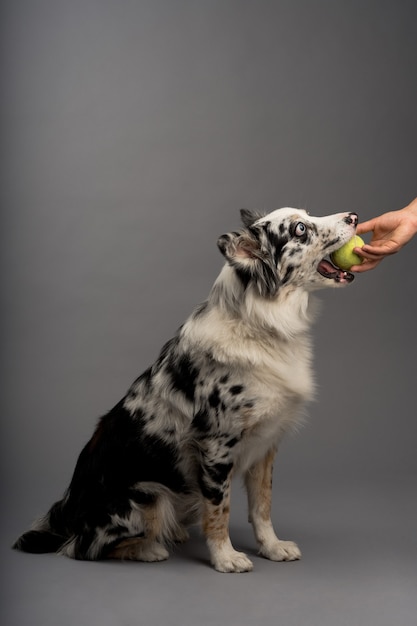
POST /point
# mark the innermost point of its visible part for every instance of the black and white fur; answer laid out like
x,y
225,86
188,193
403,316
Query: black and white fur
x,y
216,403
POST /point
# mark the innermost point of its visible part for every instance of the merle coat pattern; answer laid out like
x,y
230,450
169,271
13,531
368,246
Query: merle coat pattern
x,y
216,402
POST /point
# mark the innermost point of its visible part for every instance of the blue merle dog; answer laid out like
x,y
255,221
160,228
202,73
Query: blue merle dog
x,y
216,403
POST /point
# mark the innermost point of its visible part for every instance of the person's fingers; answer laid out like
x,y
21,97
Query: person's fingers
x,y
366,254
365,266
380,250
370,259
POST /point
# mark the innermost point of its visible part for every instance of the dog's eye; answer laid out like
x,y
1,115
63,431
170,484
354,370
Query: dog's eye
x,y
300,229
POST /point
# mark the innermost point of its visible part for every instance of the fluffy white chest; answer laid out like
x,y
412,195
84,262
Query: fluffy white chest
x,y
280,390
282,376
265,432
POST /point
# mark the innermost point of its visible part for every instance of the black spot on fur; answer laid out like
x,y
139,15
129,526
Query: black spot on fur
x,y
214,494
288,273
219,472
223,380
183,375
212,479
214,398
236,390
200,422
266,278
244,274
277,244
331,243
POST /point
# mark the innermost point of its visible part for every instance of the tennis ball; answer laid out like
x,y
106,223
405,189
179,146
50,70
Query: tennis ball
x,y
344,258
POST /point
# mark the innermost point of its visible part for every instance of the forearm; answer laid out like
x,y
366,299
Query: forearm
x,y
411,209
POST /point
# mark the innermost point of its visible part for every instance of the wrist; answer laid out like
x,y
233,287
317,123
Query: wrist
x,y
412,208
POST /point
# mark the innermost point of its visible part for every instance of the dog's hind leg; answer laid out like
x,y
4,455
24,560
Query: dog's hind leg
x,y
139,549
160,526
258,480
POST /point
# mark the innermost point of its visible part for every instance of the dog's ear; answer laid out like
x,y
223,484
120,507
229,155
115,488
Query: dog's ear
x,y
252,260
249,217
239,246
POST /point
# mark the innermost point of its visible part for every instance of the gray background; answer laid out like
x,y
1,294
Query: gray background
x,y
133,132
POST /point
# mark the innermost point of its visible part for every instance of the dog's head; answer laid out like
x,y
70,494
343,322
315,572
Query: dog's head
x,y
288,247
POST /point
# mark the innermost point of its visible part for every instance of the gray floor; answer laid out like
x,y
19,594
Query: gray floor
x,y
359,567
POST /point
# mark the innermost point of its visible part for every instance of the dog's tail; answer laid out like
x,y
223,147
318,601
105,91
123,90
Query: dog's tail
x,y
47,534
38,542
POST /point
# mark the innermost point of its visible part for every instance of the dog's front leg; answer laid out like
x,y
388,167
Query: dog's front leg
x,y
258,480
215,521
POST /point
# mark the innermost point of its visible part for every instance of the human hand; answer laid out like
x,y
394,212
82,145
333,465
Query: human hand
x,y
390,232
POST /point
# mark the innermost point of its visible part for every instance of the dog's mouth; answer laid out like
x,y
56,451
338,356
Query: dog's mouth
x,y
328,270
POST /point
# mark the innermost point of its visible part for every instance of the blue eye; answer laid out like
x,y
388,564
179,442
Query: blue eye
x,y
300,229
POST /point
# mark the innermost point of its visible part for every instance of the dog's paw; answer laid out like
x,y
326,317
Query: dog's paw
x,y
233,561
281,551
154,552
139,549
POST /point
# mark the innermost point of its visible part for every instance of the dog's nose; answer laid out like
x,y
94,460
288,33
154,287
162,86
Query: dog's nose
x,y
351,219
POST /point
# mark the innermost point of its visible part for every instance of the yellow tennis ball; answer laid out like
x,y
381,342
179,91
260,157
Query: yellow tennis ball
x,y
344,258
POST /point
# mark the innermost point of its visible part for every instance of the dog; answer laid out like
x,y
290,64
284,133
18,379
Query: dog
x,y
216,403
